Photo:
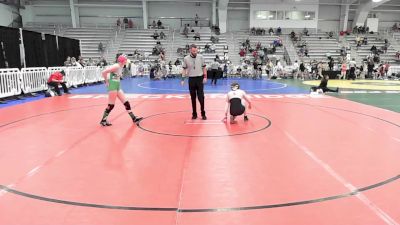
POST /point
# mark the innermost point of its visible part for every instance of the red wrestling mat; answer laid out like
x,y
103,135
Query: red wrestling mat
x,y
298,160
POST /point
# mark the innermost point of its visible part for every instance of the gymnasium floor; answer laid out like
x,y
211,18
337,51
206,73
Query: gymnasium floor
x,y
300,159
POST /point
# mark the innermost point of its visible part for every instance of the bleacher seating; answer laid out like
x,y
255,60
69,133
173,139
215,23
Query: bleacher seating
x,y
373,39
143,41
265,40
319,45
205,34
90,39
397,36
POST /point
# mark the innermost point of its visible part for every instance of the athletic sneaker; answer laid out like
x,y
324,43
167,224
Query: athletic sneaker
x,y
246,118
105,123
204,117
137,119
194,117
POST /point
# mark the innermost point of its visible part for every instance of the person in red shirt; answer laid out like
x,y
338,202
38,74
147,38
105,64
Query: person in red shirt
x,y
242,53
130,23
56,79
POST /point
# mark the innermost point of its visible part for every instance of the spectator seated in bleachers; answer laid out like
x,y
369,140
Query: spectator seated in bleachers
x,y
302,51
155,35
330,34
306,51
100,48
81,61
214,39
279,31
253,31
154,24
278,43
177,62
213,48
118,22
247,43
374,50
386,46
181,51
217,30
161,56
242,52
365,41
301,44
255,54
273,50
159,24
75,63
126,21
358,41
328,55
162,35
186,31
196,36
90,62
136,54
305,31
271,31
102,62
257,31
207,48
261,54
293,35
394,27
158,49
397,55
343,51
258,45
67,62
130,24
226,49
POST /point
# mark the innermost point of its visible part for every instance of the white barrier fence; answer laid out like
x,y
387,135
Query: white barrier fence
x,y
394,69
28,80
34,79
10,84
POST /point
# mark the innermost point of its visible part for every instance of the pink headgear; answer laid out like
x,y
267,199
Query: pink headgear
x,y
122,59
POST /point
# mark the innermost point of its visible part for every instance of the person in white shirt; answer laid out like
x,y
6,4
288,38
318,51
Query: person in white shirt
x,y
352,71
134,70
279,70
235,103
295,69
213,48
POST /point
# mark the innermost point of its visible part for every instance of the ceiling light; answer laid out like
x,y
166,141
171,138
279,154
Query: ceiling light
x,y
376,0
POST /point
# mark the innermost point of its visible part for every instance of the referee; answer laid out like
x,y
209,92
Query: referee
x,y
195,68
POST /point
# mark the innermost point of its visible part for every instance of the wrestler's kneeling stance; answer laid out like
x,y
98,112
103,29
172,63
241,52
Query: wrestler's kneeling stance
x,y
236,103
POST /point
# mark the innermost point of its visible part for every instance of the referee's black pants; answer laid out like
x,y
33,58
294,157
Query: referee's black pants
x,y
214,76
196,87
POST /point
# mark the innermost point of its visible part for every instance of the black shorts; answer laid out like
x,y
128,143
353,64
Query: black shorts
x,y
236,107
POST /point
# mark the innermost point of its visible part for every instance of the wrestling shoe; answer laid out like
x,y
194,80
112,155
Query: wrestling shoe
x,y
105,123
137,119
